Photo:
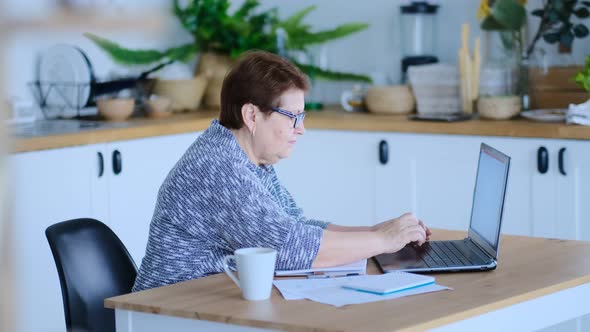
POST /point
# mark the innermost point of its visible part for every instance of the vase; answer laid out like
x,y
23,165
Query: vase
x,y
215,67
503,74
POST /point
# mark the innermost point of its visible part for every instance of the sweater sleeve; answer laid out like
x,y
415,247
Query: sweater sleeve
x,y
297,212
242,214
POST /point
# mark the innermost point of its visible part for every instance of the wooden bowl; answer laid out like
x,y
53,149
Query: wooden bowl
x,y
116,109
184,94
397,99
498,107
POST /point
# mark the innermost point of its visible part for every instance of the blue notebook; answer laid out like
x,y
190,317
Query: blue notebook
x,y
389,283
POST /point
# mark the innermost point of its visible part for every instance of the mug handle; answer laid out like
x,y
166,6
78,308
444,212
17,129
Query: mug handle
x,y
344,98
233,277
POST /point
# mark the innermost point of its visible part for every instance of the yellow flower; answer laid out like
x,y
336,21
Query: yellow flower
x,y
484,10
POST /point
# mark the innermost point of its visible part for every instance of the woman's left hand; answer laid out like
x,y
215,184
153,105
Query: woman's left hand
x,y
426,229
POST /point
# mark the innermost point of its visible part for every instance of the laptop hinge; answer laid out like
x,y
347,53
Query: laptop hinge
x,y
485,254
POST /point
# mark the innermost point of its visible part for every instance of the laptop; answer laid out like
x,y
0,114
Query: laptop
x,y
477,252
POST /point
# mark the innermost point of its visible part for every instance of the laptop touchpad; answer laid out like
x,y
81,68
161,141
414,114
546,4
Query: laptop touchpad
x,y
408,257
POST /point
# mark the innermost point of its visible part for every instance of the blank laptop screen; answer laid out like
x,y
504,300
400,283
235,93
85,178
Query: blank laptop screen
x,y
489,197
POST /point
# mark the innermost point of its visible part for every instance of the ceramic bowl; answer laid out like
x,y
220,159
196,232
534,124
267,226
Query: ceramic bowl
x,y
116,109
160,107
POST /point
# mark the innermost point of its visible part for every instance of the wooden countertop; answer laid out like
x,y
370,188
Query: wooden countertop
x,y
327,119
528,268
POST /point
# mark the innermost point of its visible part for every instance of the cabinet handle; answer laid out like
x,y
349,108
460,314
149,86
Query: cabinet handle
x,y
560,156
100,164
542,160
117,162
383,152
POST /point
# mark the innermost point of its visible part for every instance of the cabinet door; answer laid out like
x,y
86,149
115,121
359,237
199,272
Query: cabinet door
x,y
132,194
572,218
431,176
48,187
331,175
526,185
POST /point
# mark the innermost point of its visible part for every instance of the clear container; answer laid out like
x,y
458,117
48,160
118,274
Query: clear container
x,y
418,23
499,73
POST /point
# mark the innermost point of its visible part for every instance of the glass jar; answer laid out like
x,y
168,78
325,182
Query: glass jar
x,y
504,71
502,85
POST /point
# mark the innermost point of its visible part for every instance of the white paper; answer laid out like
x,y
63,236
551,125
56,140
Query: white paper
x,y
291,289
355,267
330,291
338,296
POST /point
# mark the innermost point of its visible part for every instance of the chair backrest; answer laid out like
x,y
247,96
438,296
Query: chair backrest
x,y
93,264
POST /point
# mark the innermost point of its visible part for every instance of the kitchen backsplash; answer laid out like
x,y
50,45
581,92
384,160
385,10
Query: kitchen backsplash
x,y
374,51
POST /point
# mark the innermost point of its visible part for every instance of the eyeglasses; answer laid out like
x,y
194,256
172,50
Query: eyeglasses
x,y
298,117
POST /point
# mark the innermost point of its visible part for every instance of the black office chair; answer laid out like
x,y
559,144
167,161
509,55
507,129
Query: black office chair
x,y
93,264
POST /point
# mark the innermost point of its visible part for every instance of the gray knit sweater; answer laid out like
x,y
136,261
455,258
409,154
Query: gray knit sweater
x,y
215,201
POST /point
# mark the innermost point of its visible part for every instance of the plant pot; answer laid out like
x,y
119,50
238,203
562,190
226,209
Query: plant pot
x,y
185,95
214,67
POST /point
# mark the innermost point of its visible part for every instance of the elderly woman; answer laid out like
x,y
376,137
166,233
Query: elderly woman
x,y
224,194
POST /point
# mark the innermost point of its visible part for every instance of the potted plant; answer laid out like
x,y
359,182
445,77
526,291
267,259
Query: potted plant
x,y
556,26
220,36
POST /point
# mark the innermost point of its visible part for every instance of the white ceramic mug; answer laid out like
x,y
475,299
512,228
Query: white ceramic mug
x,y
256,268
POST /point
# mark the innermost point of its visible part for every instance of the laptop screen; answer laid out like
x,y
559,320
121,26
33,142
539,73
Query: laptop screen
x,y
488,196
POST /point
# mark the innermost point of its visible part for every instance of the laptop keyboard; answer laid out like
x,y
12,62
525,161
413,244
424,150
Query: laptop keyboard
x,y
444,253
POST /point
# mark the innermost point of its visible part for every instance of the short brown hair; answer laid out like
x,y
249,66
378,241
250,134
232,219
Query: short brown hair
x,y
259,78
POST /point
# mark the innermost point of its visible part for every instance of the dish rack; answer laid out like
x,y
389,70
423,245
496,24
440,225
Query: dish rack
x,y
78,100
61,99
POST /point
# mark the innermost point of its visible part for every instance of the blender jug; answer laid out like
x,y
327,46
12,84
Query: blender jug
x,y
418,32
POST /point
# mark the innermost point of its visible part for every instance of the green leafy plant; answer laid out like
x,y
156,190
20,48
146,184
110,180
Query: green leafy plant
x,y
215,29
583,77
555,26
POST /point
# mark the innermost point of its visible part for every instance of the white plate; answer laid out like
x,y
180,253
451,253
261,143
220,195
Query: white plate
x,y
545,115
65,75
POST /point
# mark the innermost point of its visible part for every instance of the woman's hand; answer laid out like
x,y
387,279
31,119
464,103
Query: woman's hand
x,y
397,233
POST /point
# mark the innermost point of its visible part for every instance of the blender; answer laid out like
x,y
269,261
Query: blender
x,y
418,29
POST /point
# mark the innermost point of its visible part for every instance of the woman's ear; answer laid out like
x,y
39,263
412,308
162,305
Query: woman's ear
x,y
249,115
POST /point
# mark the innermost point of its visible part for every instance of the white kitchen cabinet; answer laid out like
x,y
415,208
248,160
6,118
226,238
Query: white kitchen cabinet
x,y
132,193
337,176
48,187
434,175
60,184
569,189
575,200
551,203
431,176
331,175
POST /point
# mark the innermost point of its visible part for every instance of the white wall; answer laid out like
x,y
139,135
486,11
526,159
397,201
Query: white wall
x,y
373,50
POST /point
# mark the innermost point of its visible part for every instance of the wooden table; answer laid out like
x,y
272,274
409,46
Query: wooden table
x,y
529,270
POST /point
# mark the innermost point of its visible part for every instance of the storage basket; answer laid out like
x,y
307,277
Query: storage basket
x,y
498,107
396,99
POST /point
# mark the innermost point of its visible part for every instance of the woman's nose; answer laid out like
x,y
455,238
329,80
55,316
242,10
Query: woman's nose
x,y
300,129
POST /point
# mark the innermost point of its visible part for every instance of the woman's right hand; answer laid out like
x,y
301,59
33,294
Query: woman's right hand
x,y
397,233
